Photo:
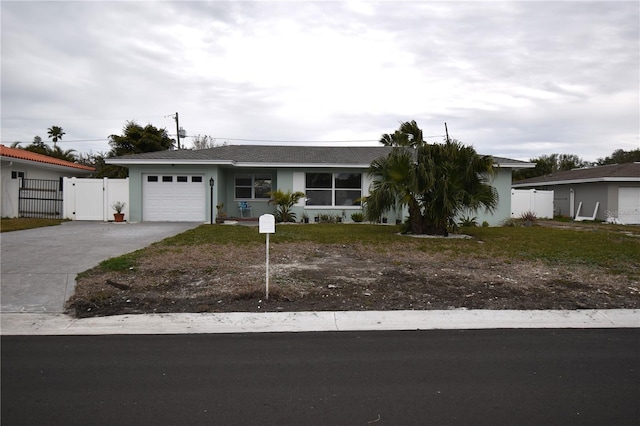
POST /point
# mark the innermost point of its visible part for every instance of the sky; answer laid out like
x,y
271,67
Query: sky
x,y
516,79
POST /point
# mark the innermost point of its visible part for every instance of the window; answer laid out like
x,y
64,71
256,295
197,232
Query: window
x,y
182,179
17,175
333,189
197,179
248,186
152,178
167,178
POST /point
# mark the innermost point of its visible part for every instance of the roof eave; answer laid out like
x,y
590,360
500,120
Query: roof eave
x,y
577,181
47,165
507,165
160,161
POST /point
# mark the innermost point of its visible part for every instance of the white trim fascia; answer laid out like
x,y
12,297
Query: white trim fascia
x,y
166,161
576,181
516,165
303,165
235,164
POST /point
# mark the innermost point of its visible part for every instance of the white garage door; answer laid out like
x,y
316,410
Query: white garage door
x,y
629,205
173,198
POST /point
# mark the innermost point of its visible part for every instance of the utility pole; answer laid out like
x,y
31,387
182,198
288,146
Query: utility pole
x,y
445,129
178,130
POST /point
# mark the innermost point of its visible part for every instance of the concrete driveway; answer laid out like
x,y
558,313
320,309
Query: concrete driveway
x,y
39,266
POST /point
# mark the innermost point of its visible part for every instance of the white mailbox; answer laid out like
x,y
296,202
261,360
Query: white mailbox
x,y
267,224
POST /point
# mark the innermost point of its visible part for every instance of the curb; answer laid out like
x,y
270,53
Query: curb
x,y
14,324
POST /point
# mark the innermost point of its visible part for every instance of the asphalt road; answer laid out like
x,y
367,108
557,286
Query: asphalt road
x,y
349,378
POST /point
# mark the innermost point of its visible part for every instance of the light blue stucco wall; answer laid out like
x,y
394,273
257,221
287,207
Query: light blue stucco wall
x,y
284,179
502,182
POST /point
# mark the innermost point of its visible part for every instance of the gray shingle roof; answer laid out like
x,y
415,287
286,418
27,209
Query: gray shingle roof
x,y
273,155
609,172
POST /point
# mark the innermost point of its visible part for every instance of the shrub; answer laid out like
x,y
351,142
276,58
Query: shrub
x,y
528,218
284,201
512,222
357,217
468,222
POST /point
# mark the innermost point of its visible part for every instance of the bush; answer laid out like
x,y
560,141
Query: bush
x,y
357,217
512,222
528,218
468,222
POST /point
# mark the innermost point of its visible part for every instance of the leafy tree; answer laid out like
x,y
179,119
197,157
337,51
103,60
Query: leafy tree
x,y
55,133
137,139
284,201
547,164
620,156
436,182
66,155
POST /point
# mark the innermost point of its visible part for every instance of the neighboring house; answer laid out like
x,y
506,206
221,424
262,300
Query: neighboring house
x,y
175,185
31,184
614,189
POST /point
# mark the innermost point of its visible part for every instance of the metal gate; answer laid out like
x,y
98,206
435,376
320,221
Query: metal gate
x,y
40,198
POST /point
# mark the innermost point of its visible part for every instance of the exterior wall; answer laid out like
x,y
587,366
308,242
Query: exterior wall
x,y
502,182
606,193
259,206
290,179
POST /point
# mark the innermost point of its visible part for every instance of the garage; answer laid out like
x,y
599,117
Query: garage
x,y
173,198
629,205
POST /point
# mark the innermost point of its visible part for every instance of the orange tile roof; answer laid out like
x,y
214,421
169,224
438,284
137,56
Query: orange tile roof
x,y
23,154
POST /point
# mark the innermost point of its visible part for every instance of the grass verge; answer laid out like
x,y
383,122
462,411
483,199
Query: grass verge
x,y
22,223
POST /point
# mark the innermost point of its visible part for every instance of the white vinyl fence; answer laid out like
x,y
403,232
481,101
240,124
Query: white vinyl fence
x,y
532,200
91,199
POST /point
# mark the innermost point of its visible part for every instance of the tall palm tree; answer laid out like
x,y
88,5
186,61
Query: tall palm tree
x,y
55,133
436,182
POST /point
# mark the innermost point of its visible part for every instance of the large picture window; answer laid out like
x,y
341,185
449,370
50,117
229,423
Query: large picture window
x,y
333,189
252,186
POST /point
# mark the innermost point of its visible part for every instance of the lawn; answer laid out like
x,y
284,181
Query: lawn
x,y
220,268
22,223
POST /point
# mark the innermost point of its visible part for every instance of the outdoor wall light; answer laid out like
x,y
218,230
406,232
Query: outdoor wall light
x,y
211,182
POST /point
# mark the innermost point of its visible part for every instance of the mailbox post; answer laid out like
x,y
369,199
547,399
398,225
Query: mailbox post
x,y
267,223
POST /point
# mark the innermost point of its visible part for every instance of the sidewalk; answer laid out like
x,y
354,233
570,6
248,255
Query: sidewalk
x,y
458,319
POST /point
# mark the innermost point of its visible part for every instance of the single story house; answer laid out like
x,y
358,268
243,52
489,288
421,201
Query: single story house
x,y
187,185
31,184
611,192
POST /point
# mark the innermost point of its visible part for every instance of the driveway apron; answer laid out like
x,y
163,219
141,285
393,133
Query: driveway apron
x,y
39,266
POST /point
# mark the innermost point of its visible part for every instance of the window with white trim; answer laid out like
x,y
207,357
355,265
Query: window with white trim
x,y
333,189
252,186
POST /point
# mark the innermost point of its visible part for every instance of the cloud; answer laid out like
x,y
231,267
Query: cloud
x,y
512,78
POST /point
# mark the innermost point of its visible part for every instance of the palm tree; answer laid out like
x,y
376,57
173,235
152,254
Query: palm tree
x,y
66,155
55,133
436,182
284,202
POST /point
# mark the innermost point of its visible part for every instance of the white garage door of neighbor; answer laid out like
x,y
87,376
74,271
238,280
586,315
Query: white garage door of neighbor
x,y
629,205
173,198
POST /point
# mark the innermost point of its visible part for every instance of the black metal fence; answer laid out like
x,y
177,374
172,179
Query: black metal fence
x,y
40,198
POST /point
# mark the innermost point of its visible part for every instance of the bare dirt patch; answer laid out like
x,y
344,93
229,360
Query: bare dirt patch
x,y
318,277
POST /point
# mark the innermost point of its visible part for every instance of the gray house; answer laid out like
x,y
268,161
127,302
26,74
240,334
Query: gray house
x,y
611,191
187,185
